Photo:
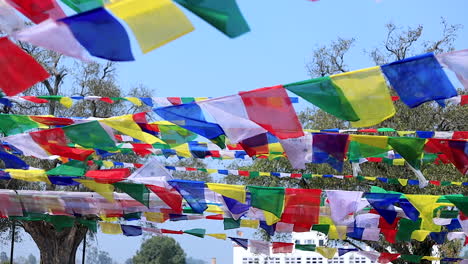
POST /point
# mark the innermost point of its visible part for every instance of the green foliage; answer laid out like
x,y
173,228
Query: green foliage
x,y
160,250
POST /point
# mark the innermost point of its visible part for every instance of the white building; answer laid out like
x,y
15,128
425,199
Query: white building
x,y
242,256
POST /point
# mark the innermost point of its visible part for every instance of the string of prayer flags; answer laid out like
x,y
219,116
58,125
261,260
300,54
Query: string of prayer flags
x,y
225,16
38,10
152,33
13,62
419,79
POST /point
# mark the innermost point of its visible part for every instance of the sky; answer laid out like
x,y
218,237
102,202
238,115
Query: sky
x,y
205,63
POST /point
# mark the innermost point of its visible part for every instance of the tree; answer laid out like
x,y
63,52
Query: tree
x,y
160,250
191,260
32,259
68,77
331,59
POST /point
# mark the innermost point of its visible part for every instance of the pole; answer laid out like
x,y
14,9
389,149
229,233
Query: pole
x,y
12,242
84,249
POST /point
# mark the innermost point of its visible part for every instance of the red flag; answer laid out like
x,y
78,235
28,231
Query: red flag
x,y
169,196
108,176
38,10
19,71
271,108
301,208
280,247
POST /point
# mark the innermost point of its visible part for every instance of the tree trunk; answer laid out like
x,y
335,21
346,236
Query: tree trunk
x,y
55,247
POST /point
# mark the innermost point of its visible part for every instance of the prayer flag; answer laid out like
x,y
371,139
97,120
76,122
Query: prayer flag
x,y
225,15
130,230
56,36
281,247
271,108
330,148
198,232
343,203
368,94
193,192
154,23
326,252
218,236
10,22
18,69
110,228
38,10
301,208
240,241
83,5
259,247
108,176
236,192
410,148
127,125
326,95
71,168
456,61
113,43
138,192
419,79
91,135
270,199
105,190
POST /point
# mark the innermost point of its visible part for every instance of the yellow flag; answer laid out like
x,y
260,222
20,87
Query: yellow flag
x,y
66,101
211,171
420,235
105,190
405,133
236,192
214,209
399,162
134,100
370,178
249,223
337,232
430,258
375,141
403,182
275,147
110,228
183,151
270,218
126,125
218,236
155,217
328,253
28,175
425,204
108,219
368,94
107,164
154,23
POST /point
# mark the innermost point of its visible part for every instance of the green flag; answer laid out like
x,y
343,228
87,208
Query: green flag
x,y
138,192
309,247
16,124
270,199
405,228
83,5
71,168
90,135
223,15
410,148
321,228
461,202
411,258
198,232
230,223
324,94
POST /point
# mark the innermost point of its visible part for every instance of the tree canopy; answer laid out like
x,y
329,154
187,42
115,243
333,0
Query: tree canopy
x,y
160,250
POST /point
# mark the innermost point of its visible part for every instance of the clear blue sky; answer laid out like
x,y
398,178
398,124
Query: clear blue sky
x,y
284,33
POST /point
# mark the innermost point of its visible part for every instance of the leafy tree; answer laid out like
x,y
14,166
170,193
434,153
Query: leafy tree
x,y
31,259
331,59
191,260
160,250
